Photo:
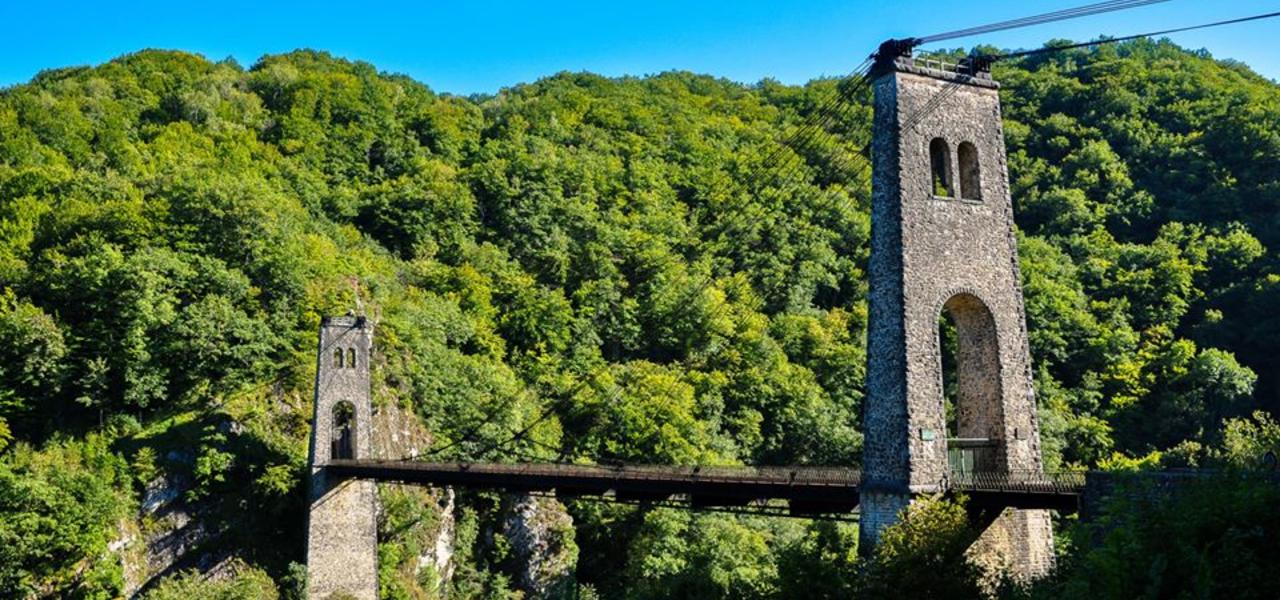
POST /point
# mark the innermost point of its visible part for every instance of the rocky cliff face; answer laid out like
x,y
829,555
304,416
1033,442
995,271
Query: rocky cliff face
x,y
439,556
540,531
416,519
166,535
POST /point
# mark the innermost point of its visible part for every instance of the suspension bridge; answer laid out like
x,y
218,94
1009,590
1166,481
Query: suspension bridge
x,y
808,491
942,243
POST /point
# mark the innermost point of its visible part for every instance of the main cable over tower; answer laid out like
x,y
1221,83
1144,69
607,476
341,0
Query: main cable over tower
x,y
943,243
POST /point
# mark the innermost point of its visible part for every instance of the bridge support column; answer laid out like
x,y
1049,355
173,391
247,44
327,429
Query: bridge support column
x,y
876,511
1018,541
342,529
942,244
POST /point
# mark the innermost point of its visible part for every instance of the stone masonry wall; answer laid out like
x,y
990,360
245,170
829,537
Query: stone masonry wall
x,y
932,254
1014,543
342,529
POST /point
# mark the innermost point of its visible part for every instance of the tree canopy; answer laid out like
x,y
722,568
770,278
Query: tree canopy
x,y
587,268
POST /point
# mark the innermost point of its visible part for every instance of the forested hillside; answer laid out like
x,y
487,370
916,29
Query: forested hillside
x,y
580,268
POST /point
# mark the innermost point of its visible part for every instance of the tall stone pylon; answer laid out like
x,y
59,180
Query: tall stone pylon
x,y
342,528
942,241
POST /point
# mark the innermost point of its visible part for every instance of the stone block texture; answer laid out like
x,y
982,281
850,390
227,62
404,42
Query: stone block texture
x,y
342,529
943,241
1019,542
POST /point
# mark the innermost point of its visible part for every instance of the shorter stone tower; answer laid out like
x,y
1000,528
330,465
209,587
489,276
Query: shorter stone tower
x,y
342,529
942,243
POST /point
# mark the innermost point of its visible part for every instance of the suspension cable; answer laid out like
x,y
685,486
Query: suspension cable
x,y
1060,15
825,111
803,136
1050,49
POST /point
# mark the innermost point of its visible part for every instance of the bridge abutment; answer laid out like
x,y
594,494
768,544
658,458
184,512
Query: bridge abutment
x,y
1018,541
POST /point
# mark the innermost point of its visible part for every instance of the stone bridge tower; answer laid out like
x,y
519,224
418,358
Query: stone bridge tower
x,y
943,243
342,529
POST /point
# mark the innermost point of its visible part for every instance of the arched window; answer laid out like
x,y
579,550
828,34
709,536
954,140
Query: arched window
x,y
940,165
351,358
970,175
337,358
343,434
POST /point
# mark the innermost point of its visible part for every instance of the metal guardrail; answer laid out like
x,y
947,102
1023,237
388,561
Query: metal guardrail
x,y
934,64
1033,482
969,67
1029,482
810,476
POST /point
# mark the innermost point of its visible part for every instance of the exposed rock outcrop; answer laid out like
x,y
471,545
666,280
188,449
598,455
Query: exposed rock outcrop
x,y
399,434
164,536
540,531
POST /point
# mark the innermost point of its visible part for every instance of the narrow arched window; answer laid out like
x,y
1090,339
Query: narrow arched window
x,y
343,434
940,165
970,174
351,358
337,358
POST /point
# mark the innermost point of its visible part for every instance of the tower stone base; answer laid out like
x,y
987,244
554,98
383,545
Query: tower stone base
x,y
1019,543
876,511
1016,544
342,541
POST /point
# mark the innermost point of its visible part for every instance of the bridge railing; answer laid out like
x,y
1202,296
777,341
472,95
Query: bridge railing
x,y
1030,482
966,66
832,476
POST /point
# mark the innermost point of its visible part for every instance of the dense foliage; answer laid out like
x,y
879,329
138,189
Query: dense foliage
x,y
1213,538
582,268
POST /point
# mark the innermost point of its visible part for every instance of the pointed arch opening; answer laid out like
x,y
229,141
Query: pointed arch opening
x,y
970,172
972,390
940,167
351,358
343,431
338,356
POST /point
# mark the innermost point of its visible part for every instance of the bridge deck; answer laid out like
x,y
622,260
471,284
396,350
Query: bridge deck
x,y
806,489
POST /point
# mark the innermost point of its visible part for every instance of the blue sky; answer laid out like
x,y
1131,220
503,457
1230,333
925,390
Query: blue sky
x,y
466,47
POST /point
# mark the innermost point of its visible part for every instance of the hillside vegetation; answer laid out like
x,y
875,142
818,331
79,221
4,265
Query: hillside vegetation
x,y
579,268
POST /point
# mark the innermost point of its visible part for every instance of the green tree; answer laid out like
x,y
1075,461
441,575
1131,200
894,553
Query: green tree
x,y
33,356
247,584
59,509
923,555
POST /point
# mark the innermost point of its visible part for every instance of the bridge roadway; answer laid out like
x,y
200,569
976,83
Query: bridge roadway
x,y
807,490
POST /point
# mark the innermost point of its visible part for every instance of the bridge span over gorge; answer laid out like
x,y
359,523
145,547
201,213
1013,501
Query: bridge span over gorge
x,y
942,244
807,491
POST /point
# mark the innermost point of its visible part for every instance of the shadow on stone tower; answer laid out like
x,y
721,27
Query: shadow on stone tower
x,y
943,244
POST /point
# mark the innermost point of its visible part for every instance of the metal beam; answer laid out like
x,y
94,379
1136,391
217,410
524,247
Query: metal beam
x,y
806,489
